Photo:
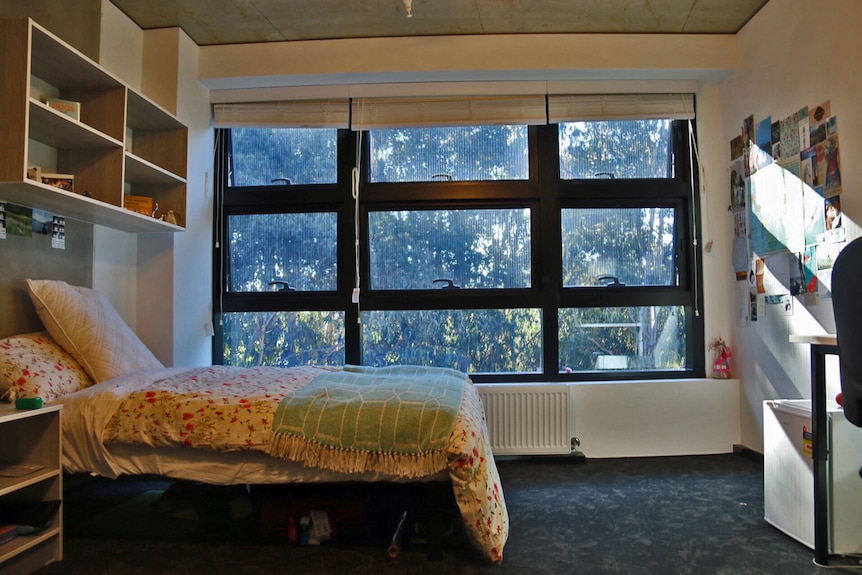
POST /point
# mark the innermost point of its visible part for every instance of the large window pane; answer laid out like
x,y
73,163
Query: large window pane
x,y
475,341
277,156
284,339
622,338
300,249
474,153
630,246
476,249
615,149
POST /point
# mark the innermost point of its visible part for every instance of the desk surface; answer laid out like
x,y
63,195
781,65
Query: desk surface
x,y
822,339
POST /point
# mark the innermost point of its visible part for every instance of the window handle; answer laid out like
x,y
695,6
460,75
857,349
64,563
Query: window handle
x,y
609,175
446,177
282,180
449,284
282,285
612,281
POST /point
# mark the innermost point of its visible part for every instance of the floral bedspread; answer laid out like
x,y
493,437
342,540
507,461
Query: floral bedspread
x,y
224,408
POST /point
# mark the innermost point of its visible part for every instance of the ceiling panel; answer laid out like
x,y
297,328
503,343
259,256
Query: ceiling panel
x,y
209,22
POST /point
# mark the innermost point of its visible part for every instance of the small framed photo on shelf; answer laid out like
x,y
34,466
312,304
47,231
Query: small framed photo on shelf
x,y
62,181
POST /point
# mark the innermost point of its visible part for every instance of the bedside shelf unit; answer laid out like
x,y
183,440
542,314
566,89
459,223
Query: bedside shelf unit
x,y
123,143
32,437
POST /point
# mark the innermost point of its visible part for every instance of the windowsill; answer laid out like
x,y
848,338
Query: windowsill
x,y
683,381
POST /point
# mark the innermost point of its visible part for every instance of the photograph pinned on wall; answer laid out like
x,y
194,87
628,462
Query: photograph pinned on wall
x,y
804,129
833,220
743,304
789,136
756,271
761,153
737,186
19,221
808,167
2,220
748,140
740,245
796,274
737,149
829,165
775,138
813,214
58,232
809,269
41,222
817,122
825,257
755,306
787,304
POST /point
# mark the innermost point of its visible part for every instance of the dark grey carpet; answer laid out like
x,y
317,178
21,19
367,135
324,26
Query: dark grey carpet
x,y
670,515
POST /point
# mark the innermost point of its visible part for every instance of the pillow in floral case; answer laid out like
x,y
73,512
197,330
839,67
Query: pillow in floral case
x,y
33,365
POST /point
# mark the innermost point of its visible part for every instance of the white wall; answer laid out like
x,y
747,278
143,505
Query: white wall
x,y
115,259
657,418
792,54
162,283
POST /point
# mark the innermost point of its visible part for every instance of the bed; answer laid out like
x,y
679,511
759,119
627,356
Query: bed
x,y
126,414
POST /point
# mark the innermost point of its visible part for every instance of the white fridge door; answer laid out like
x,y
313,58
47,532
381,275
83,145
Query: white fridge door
x,y
788,468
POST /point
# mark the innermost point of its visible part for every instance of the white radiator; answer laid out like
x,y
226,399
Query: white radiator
x,y
528,419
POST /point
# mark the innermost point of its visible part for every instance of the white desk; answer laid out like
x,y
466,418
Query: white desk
x,y
821,346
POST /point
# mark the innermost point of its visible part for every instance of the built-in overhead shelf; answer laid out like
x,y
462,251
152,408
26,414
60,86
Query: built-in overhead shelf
x,y
121,143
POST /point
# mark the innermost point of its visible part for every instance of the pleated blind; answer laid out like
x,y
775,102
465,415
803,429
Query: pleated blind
x,y
406,112
287,114
381,113
586,107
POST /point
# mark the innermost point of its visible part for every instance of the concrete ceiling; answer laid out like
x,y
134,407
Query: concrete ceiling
x,y
210,22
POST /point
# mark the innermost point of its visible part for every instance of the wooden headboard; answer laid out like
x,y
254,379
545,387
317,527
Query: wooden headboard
x,y
33,257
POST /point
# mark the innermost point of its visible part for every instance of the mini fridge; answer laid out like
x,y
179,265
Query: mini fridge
x,y
788,474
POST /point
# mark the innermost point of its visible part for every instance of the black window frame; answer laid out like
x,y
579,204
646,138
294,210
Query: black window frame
x,y
545,193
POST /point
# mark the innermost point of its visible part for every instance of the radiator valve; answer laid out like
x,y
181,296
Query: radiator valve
x,y
576,443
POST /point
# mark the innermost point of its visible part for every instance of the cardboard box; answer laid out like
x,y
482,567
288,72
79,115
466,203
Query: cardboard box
x,y
68,107
139,204
62,181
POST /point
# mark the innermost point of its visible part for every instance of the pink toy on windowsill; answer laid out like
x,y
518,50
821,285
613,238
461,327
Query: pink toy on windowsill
x,y
723,355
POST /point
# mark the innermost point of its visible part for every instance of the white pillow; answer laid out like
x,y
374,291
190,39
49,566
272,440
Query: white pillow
x,y
85,324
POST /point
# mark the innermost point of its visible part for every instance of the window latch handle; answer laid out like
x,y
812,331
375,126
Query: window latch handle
x,y
282,285
449,284
612,281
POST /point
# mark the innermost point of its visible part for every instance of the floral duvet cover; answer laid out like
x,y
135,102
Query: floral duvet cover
x,y
222,408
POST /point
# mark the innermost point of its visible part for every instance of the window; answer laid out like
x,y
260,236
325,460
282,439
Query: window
x,y
619,246
615,149
277,156
457,249
512,251
283,251
460,153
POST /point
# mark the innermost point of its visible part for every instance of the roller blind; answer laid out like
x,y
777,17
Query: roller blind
x,y
584,107
288,114
381,113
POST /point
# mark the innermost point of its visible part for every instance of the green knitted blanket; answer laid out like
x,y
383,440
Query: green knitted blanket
x,y
395,420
